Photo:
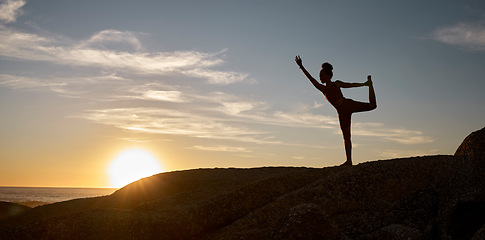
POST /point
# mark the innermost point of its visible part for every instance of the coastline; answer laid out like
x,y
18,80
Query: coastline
x,y
39,196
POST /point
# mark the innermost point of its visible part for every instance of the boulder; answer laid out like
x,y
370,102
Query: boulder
x,y
473,145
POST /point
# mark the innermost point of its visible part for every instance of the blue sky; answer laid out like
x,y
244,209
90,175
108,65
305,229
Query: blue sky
x,y
214,83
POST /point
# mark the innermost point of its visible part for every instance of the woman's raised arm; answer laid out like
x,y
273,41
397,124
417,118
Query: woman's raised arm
x,y
319,86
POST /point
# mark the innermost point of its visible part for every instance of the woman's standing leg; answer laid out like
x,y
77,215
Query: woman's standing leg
x,y
345,120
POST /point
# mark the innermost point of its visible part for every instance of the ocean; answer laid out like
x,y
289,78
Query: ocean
x,y
34,196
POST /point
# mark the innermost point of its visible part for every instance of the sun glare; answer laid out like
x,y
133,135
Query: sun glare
x,y
132,165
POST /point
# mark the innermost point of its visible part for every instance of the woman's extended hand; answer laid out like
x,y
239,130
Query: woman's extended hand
x,y
298,61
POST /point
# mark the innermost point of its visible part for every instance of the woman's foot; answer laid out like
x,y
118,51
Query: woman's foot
x,y
369,81
347,163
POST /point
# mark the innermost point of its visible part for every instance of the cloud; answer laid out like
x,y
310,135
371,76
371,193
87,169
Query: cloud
x,y
26,46
216,77
221,148
176,122
10,9
156,92
233,105
32,47
106,38
169,96
235,108
411,139
466,35
402,136
377,130
405,136
406,153
19,82
90,87
304,119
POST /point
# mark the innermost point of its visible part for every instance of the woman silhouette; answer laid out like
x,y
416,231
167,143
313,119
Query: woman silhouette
x,y
345,107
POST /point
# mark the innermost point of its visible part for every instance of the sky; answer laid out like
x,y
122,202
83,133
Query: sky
x,y
206,84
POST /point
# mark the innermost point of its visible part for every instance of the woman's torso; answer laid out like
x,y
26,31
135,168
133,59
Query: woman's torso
x,y
334,94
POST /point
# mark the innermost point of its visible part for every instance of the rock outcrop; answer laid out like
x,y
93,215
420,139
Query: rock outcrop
x,y
473,145
430,197
11,209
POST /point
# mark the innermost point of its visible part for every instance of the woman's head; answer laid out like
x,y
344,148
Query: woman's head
x,y
326,71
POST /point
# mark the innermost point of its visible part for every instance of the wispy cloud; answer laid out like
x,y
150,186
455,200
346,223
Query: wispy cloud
x,y
231,104
156,92
109,39
169,96
73,87
238,125
305,119
402,136
176,122
10,9
466,35
19,82
406,153
220,148
377,130
216,77
413,138
33,47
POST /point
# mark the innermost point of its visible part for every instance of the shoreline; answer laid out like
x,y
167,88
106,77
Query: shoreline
x,y
39,196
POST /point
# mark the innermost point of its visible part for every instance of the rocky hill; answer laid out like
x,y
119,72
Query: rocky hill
x,y
429,197
11,209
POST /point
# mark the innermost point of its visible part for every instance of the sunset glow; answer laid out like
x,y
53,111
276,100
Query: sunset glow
x,y
132,165
214,84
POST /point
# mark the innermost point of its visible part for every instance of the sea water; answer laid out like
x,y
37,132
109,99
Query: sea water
x,y
49,195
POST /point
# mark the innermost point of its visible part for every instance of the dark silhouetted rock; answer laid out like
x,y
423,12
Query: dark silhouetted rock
x,y
306,221
467,219
413,198
480,234
473,145
11,209
397,232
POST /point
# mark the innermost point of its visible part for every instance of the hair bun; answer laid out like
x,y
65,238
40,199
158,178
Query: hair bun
x,y
327,66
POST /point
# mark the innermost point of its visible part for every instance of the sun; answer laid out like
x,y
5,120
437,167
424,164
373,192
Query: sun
x,y
132,165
